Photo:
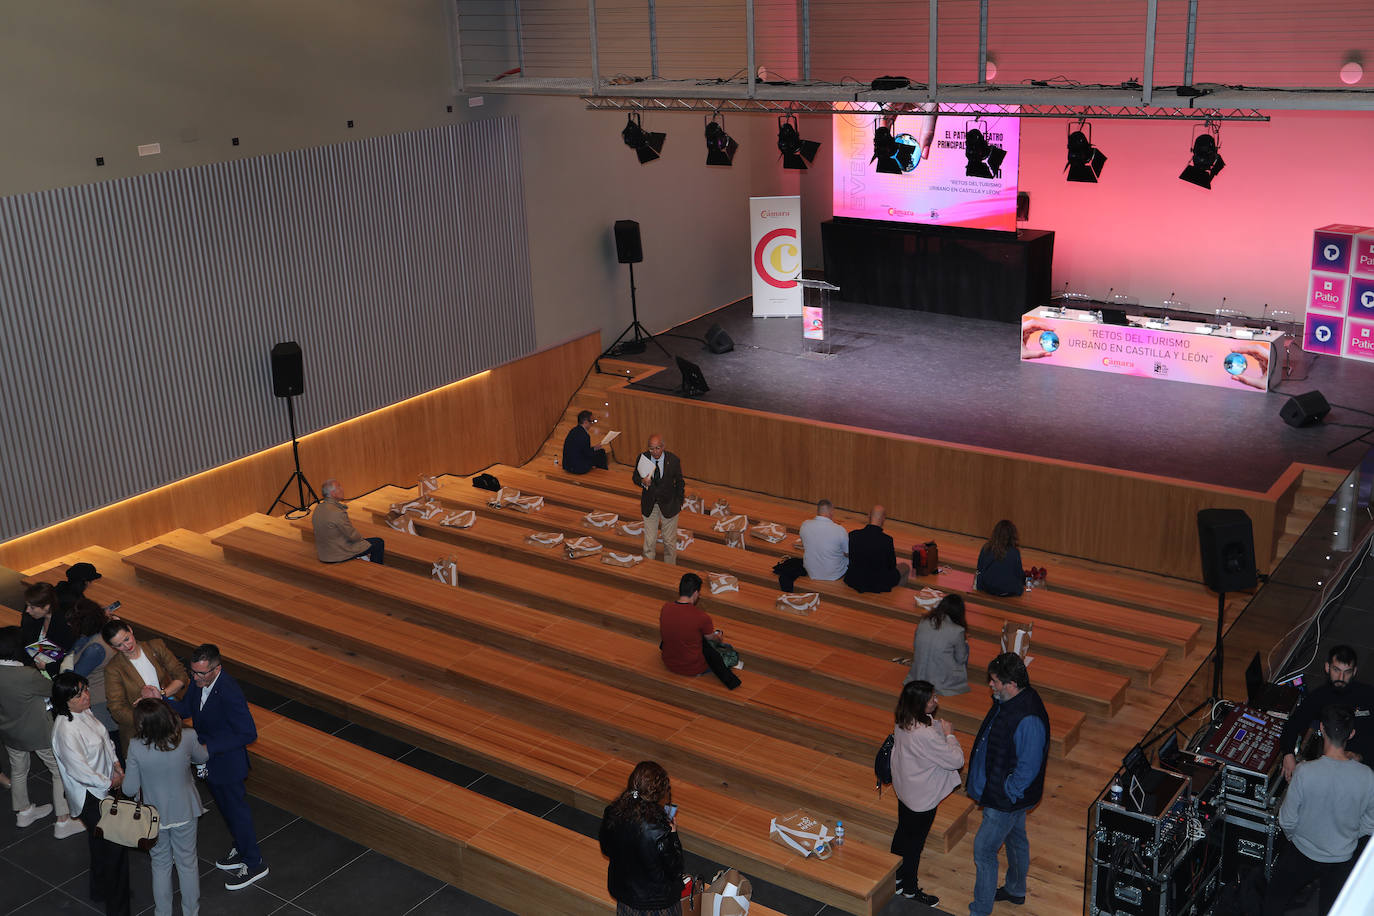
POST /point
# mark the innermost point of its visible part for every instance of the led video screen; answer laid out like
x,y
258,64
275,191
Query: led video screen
x,y
918,170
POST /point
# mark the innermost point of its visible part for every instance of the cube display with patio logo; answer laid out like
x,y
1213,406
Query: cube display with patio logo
x,y
1340,293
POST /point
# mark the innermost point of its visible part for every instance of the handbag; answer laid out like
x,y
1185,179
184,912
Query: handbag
x,y
882,764
789,570
486,482
925,559
126,822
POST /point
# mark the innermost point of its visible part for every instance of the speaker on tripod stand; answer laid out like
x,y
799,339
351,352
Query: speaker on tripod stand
x,y
288,380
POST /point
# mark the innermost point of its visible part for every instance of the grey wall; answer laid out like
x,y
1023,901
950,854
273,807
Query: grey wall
x,y
138,314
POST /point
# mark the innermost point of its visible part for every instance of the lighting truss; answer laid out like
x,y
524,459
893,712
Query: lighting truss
x,y
970,109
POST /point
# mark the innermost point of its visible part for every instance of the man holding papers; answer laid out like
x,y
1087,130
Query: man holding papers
x,y
659,474
579,456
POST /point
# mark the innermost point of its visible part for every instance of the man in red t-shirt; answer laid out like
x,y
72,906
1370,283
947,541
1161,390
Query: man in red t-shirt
x,y
688,639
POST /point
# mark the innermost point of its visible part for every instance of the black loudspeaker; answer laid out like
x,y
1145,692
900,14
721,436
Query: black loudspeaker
x,y
717,341
628,250
1305,409
1228,549
288,370
693,382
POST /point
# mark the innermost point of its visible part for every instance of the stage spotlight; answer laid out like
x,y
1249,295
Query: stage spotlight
x,y
1207,161
720,146
984,159
894,155
646,144
796,152
1085,161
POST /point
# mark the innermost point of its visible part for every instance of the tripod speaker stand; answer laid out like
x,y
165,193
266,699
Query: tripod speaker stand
x,y
629,250
288,380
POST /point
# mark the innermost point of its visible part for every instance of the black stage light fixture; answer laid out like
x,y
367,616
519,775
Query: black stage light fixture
x,y
1085,161
894,155
1207,161
984,159
720,146
646,144
796,152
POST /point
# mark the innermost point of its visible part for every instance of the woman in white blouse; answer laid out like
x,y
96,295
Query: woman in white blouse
x,y
926,758
90,771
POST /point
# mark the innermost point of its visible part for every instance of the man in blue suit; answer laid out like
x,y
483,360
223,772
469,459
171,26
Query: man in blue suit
x,y
216,707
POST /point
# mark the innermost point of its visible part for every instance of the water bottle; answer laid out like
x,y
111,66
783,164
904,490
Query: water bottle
x,y
1117,791
839,833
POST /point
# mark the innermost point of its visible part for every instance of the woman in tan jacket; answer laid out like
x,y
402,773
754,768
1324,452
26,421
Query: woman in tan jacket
x,y
138,670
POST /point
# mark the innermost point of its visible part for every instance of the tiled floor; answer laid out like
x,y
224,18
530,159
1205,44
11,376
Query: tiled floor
x,y
313,870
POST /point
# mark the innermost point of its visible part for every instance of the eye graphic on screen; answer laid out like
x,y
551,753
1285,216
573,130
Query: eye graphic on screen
x,y
1049,341
1235,363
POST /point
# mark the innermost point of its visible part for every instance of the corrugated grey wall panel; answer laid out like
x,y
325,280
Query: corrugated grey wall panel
x,y
138,314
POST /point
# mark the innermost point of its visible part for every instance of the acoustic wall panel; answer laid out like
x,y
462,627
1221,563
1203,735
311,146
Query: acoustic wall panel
x,y
138,315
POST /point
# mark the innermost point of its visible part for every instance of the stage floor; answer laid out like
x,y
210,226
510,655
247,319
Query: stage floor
x,y
960,380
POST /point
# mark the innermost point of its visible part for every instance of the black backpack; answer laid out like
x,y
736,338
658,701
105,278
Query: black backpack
x,y
486,482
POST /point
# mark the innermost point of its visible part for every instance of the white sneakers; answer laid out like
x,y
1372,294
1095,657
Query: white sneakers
x,y
31,813
70,827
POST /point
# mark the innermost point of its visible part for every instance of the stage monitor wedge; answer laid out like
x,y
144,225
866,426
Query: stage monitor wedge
x,y
1307,409
717,341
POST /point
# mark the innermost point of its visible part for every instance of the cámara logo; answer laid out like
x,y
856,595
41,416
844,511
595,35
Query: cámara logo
x,y
777,258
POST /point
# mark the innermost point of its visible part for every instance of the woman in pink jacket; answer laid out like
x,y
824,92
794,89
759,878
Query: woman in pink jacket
x,y
926,758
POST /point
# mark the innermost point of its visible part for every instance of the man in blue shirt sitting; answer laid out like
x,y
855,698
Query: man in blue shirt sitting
x,y
1006,775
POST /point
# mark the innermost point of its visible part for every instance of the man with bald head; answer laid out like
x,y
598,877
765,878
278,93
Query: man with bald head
x,y
873,565
658,474
336,540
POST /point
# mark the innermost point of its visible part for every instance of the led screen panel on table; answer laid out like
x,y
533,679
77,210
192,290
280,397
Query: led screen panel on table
x,y
936,191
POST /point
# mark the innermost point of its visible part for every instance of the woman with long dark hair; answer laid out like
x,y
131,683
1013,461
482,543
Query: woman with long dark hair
x,y
999,562
160,758
90,653
90,771
926,758
939,651
43,620
639,836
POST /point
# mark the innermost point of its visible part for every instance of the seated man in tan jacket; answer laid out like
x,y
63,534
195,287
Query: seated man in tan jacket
x,y
336,540
137,670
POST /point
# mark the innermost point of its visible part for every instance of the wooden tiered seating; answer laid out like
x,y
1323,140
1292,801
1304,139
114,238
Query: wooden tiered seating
x,y
658,579
445,609
382,697
986,613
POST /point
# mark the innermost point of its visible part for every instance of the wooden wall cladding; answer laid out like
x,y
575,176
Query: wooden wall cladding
x,y
1134,520
501,415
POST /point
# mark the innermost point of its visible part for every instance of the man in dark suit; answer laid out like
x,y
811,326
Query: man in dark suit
x,y
873,565
578,455
217,709
661,499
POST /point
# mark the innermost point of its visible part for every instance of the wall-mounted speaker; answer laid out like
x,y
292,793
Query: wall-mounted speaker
x,y
1228,549
628,249
288,370
1305,409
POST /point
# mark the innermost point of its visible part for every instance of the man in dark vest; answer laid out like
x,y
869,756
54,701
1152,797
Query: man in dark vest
x,y
1006,775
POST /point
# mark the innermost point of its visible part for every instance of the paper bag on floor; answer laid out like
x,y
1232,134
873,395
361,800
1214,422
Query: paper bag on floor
x,y
721,509
771,532
464,518
798,603
1016,637
801,833
727,894
545,538
408,507
596,519
428,484
446,571
631,529
730,523
693,504
614,558
527,503
735,539
684,539
504,497
581,547
428,509
722,583
401,522
927,598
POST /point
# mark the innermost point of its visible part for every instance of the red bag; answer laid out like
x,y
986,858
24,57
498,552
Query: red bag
x,y
925,559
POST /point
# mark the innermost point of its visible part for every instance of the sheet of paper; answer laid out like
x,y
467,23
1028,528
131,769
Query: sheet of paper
x,y
645,467
609,438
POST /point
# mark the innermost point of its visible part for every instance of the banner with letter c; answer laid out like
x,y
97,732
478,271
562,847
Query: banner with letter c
x,y
775,237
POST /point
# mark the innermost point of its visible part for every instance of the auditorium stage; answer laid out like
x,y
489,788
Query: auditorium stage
x,y
960,381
